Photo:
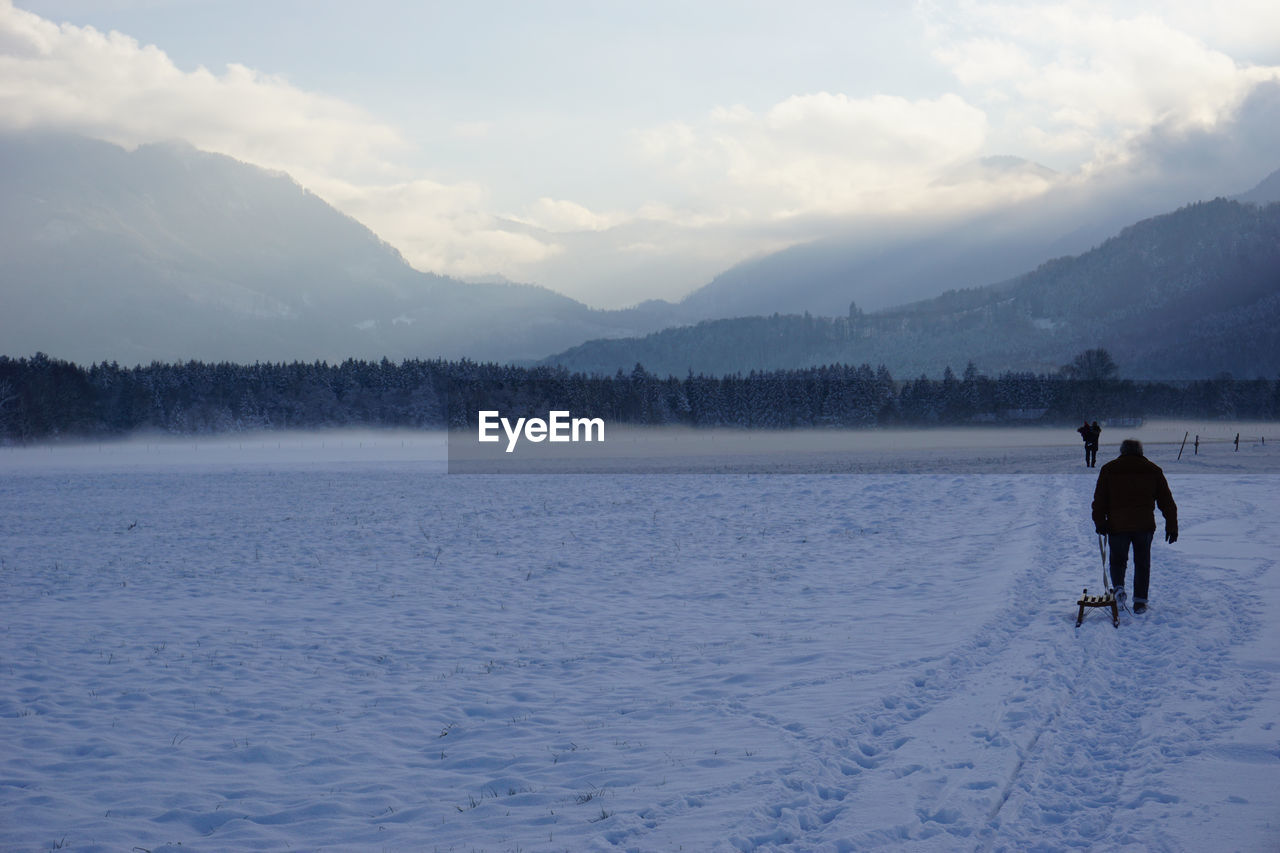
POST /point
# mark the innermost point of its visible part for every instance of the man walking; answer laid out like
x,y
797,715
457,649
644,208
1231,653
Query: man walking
x,y
1124,500
1090,432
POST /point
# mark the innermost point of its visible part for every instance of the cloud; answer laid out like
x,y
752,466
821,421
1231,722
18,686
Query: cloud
x,y
985,61
109,86
1076,85
559,215
1231,156
1248,30
437,227
1093,90
1078,82
822,152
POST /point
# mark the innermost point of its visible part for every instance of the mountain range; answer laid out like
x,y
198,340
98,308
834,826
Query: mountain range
x,y
168,253
1189,294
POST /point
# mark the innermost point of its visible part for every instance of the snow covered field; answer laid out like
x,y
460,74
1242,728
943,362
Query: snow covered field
x,y
330,644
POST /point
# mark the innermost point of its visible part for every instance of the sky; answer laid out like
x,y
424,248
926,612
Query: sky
x,y
621,151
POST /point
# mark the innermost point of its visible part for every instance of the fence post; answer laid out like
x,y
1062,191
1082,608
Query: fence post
x,y
1184,443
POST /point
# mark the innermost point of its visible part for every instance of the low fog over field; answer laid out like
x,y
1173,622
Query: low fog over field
x,y
628,449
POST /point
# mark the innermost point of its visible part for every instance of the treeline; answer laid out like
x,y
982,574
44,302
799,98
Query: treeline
x,y
41,397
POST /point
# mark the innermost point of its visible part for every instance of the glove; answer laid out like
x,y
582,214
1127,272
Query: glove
x,y
1170,534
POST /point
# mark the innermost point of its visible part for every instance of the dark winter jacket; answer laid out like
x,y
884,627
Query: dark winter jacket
x,y
1128,490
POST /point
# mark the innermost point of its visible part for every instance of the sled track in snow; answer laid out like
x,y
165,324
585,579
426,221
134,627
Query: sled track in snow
x,y
830,800
815,803
1112,738
1079,718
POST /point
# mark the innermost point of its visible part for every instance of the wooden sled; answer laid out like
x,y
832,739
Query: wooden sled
x,y
1107,600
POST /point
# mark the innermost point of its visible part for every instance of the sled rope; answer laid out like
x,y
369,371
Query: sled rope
x,y
1102,549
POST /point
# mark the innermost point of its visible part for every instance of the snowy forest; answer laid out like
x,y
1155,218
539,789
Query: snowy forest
x,y
42,397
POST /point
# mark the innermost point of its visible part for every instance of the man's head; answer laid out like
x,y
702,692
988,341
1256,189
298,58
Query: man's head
x,y
1131,447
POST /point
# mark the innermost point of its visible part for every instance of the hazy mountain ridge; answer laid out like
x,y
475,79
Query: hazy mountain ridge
x,y
883,263
1189,294
170,253
1266,192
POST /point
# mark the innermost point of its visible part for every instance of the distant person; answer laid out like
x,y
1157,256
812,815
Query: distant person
x,y
1090,432
1129,488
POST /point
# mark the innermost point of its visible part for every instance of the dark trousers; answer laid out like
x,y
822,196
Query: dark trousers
x,y
1091,455
1140,541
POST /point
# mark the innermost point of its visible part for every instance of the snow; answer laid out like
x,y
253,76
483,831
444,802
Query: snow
x,y
327,643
